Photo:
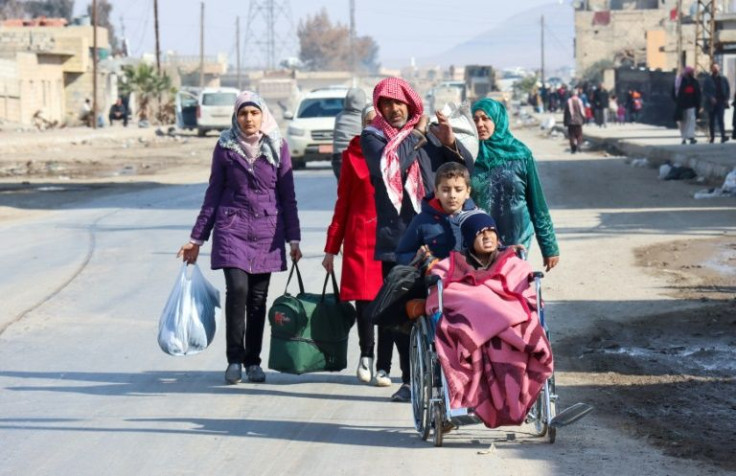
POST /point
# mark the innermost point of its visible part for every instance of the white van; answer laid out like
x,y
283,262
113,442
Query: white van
x,y
215,109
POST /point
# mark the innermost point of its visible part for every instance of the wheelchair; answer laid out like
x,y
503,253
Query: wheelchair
x,y
430,398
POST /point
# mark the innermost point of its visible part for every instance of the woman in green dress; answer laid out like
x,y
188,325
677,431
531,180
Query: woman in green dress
x,y
506,185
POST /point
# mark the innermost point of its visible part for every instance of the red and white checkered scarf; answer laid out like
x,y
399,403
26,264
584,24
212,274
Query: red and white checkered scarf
x,y
398,89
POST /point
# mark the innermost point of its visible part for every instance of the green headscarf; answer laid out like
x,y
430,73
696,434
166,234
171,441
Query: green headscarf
x,y
502,146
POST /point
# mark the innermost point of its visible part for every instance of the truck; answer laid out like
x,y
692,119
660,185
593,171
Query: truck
x,y
480,80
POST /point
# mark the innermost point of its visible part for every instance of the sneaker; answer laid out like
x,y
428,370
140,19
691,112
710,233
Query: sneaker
x,y
365,369
684,142
693,141
382,379
255,374
403,394
233,374
724,139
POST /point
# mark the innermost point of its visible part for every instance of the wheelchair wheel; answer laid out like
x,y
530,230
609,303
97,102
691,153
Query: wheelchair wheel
x,y
552,432
421,378
438,417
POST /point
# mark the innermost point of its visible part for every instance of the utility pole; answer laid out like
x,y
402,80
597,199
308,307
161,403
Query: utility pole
x,y
158,56
352,42
201,46
542,49
237,49
155,26
94,64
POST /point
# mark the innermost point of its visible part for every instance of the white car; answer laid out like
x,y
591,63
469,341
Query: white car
x,y
215,109
310,130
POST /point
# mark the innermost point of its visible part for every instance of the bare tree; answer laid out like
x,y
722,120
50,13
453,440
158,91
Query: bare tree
x,y
326,46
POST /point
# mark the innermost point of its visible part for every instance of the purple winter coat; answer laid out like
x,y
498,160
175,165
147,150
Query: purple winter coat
x,y
252,209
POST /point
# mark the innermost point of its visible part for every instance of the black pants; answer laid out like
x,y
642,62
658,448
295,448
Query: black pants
x,y
244,337
715,118
366,334
124,118
386,340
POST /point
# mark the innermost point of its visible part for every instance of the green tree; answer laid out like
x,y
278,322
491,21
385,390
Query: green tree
x,y
326,46
143,81
104,9
525,85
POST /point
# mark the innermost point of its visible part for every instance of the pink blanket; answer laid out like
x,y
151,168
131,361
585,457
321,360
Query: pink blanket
x,y
493,350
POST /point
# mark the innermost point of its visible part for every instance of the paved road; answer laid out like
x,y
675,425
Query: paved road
x,y
85,390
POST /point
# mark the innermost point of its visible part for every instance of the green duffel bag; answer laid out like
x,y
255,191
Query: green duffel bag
x,y
309,332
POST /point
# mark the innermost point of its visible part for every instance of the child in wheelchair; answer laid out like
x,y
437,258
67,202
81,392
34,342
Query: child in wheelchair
x,y
493,351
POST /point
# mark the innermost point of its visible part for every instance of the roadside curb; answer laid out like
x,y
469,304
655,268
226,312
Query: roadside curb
x,y
694,156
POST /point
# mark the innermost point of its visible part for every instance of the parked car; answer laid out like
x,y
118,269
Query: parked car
x,y
215,109
311,128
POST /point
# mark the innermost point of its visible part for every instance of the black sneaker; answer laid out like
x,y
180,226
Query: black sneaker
x,y
724,139
693,141
403,394
255,374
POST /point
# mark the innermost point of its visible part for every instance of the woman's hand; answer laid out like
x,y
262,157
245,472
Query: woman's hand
x,y
443,130
295,253
190,252
329,262
550,262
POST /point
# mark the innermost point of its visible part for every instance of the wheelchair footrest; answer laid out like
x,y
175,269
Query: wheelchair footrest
x,y
571,415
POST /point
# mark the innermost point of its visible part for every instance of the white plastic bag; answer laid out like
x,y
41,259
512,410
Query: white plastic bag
x,y
461,122
729,184
189,320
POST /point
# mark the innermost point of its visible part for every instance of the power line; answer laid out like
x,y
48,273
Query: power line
x,y
266,18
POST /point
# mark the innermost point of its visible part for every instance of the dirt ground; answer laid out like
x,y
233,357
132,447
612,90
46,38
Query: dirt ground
x,y
671,375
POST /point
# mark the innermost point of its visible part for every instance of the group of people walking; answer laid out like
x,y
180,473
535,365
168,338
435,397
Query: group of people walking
x,y
714,97
390,179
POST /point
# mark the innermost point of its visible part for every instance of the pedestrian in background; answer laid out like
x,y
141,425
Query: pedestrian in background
x,y
716,92
574,118
402,168
118,112
250,204
505,183
733,117
353,228
686,94
348,124
600,106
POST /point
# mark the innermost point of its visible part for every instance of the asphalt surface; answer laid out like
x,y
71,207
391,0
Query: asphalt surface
x,y
85,390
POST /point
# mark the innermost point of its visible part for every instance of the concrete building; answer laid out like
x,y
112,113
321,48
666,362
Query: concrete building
x,y
47,67
643,33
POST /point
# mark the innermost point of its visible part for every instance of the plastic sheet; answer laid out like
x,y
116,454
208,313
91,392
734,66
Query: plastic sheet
x,y
189,320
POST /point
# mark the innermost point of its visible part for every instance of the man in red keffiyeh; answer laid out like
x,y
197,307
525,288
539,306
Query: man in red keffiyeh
x,y
402,165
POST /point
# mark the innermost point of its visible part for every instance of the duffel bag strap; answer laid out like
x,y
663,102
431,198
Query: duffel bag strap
x,y
334,286
294,266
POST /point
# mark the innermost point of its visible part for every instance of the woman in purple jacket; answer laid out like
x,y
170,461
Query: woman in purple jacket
x,y
251,205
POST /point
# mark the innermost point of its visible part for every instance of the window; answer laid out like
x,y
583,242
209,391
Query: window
x,y
323,107
218,99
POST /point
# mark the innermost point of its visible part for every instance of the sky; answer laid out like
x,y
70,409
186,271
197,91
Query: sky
x,y
402,28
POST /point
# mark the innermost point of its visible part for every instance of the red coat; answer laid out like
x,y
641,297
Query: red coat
x,y
354,226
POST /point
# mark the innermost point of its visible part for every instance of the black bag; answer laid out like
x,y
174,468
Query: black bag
x,y
388,308
309,332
